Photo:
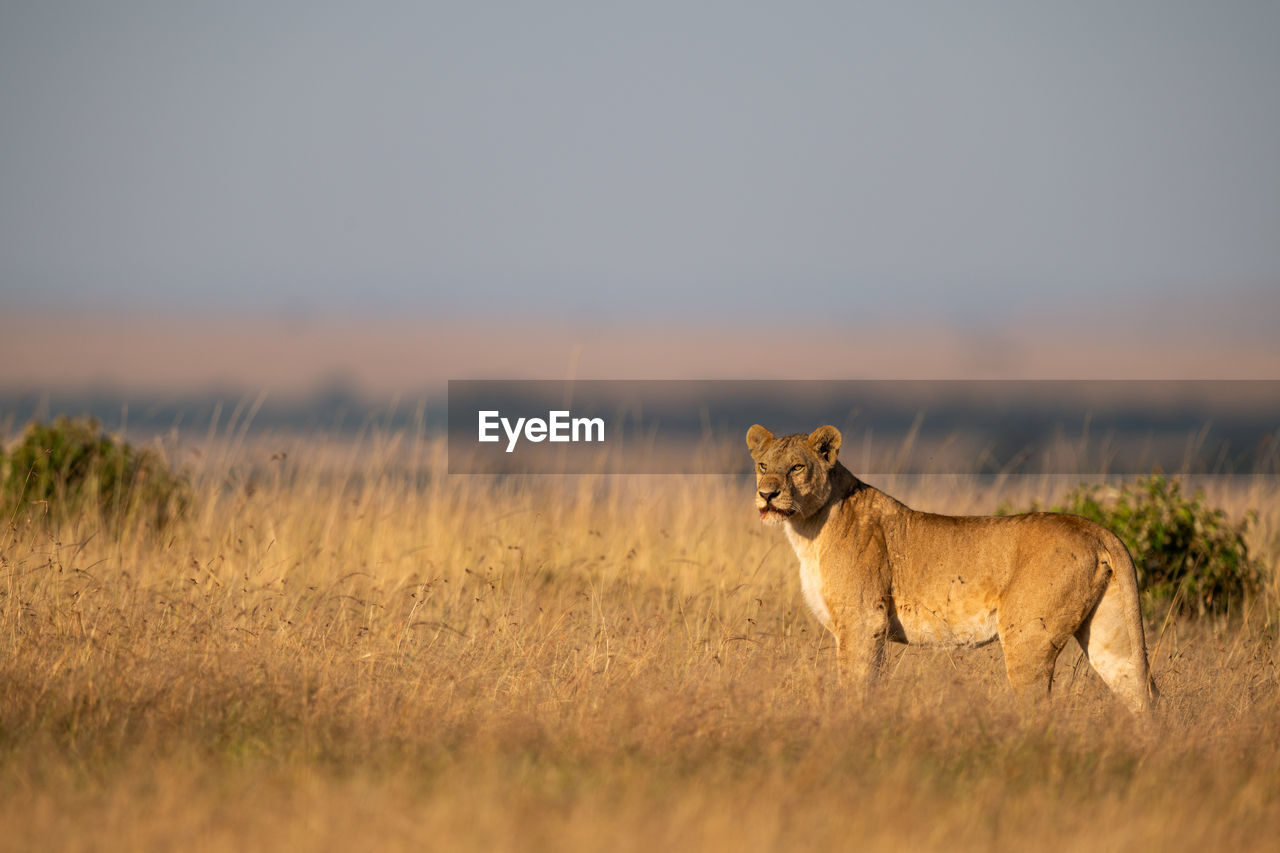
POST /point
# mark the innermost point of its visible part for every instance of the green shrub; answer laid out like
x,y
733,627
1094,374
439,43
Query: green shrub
x,y
1177,542
70,467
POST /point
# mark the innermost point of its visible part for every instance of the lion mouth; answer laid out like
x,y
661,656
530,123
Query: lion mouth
x,y
769,512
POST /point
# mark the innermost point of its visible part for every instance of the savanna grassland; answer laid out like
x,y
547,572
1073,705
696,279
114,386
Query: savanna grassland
x,y
343,647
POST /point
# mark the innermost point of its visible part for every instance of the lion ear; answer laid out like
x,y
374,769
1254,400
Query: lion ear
x,y
757,438
825,440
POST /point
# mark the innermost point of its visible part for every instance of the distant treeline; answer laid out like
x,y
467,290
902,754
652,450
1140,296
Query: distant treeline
x,y
1111,427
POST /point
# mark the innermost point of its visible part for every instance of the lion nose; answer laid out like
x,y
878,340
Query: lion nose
x,y
768,496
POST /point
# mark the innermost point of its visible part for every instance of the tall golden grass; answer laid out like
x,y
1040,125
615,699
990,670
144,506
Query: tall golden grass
x,y
347,648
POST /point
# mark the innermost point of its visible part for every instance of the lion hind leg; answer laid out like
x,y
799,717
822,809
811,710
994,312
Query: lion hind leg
x,y
1030,652
1107,640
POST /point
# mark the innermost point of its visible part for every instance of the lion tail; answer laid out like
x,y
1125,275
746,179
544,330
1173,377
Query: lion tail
x,y
1126,576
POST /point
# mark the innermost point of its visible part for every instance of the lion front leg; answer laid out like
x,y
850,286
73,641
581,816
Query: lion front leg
x,y
860,648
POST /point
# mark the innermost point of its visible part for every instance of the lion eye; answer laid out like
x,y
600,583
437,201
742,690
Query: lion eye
x,y
762,466
797,467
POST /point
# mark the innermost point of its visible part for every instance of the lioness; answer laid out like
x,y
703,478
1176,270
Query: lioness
x,y
872,570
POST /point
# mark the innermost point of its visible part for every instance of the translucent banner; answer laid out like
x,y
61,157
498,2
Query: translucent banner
x,y
1084,427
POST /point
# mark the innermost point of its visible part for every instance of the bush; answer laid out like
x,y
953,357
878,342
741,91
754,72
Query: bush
x,y
70,467
1177,542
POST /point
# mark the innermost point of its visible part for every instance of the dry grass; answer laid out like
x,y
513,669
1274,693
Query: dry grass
x,y
345,648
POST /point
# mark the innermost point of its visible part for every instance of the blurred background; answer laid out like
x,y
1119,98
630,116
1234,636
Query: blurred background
x,y
330,202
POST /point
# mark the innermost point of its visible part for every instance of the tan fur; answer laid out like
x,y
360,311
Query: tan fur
x,y
874,570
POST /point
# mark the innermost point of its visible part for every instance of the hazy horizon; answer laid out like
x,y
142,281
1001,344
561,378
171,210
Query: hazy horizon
x,y
153,352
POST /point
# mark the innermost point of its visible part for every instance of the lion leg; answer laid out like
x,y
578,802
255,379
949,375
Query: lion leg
x,y
1030,652
860,649
1106,638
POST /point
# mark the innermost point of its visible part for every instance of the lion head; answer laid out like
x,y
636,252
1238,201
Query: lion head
x,y
793,473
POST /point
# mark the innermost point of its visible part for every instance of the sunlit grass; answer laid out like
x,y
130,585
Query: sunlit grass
x,y
346,647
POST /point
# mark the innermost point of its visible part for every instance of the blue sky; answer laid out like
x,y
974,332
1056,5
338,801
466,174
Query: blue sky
x,y
598,159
